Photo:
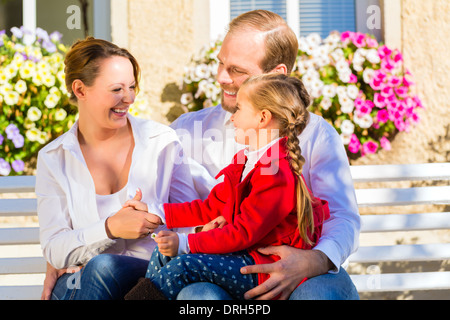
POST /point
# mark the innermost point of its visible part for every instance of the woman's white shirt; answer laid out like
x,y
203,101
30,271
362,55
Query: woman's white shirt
x,y
72,230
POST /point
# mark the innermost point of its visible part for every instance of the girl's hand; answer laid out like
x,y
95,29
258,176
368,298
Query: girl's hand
x,y
218,222
136,202
167,243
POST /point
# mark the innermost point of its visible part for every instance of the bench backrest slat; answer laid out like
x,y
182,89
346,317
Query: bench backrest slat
x,y
405,222
17,184
402,197
401,172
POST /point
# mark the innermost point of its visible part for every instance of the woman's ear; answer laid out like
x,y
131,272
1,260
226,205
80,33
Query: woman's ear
x,y
79,89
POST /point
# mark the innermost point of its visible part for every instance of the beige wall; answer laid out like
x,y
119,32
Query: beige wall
x,y
163,35
424,28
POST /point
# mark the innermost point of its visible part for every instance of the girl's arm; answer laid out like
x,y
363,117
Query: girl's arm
x,y
197,212
270,201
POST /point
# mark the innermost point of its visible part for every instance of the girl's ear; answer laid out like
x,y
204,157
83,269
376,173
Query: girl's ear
x,y
79,89
266,118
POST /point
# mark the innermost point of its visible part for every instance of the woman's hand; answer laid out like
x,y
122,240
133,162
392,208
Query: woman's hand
x,y
285,274
167,243
51,276
129,223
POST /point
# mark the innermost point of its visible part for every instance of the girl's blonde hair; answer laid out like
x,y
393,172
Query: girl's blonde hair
x,y
287,100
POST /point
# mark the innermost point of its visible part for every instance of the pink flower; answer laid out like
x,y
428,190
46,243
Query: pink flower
x,y
353,79
379,100
398,57
347,35
370,147
400,124
354,144
387,92
385,144
394,81
382,116
377,84
371,42
388,64
384,51
402,92
380,75
359,40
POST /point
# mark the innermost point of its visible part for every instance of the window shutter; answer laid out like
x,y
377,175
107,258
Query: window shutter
x,y
324,16
240,6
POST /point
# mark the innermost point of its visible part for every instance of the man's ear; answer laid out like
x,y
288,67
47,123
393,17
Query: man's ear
x,y
79,89
281,68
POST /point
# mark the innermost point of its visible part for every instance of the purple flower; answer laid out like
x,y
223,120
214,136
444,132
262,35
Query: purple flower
x,y
49,46
1,139
18,141
18,166
18,33
42,34
56,36
5,168
11,131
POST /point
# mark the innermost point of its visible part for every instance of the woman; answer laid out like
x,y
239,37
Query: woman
x,y
86,175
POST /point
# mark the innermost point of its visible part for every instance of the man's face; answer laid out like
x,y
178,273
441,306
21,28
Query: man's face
x,y
239,58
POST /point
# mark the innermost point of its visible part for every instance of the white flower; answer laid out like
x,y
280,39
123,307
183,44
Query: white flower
x,y
42,137
11,98
346,138
187,98
352,91
21,86
348,107
34,114
338,55
364,122
51,100
10,71
347,127
5,88
202,71
344,76
27,69
3,77
329,91
373,56
60,114
32,134
314,39
368,75
326,103
49,81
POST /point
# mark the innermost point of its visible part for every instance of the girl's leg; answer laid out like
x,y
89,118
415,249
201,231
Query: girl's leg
x,y
171,275
105,277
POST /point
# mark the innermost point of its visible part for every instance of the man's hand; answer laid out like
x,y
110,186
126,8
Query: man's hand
x,y
285,274
167,243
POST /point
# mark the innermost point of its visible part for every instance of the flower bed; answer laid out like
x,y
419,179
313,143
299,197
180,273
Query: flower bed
x,y
359,86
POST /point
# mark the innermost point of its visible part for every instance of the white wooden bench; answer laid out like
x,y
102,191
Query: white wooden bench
x,y
365,254
437,192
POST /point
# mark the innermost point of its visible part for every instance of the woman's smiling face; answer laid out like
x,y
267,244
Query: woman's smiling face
x,y
107,101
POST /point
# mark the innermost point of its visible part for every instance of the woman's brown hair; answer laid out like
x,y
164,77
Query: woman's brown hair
x,y
287,100
82,62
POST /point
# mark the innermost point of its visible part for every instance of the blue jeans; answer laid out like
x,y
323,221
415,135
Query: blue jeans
x,y
171,275
105,277
324,287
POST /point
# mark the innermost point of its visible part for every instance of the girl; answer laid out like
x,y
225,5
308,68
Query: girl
x,y
263,199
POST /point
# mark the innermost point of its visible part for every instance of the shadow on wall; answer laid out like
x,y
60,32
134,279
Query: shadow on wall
x,y
172,94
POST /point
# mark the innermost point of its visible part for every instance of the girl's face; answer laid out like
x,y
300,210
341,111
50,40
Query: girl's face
x,y
106,103
246,120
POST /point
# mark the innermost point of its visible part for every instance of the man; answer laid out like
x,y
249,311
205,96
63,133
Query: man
x,y
261,42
